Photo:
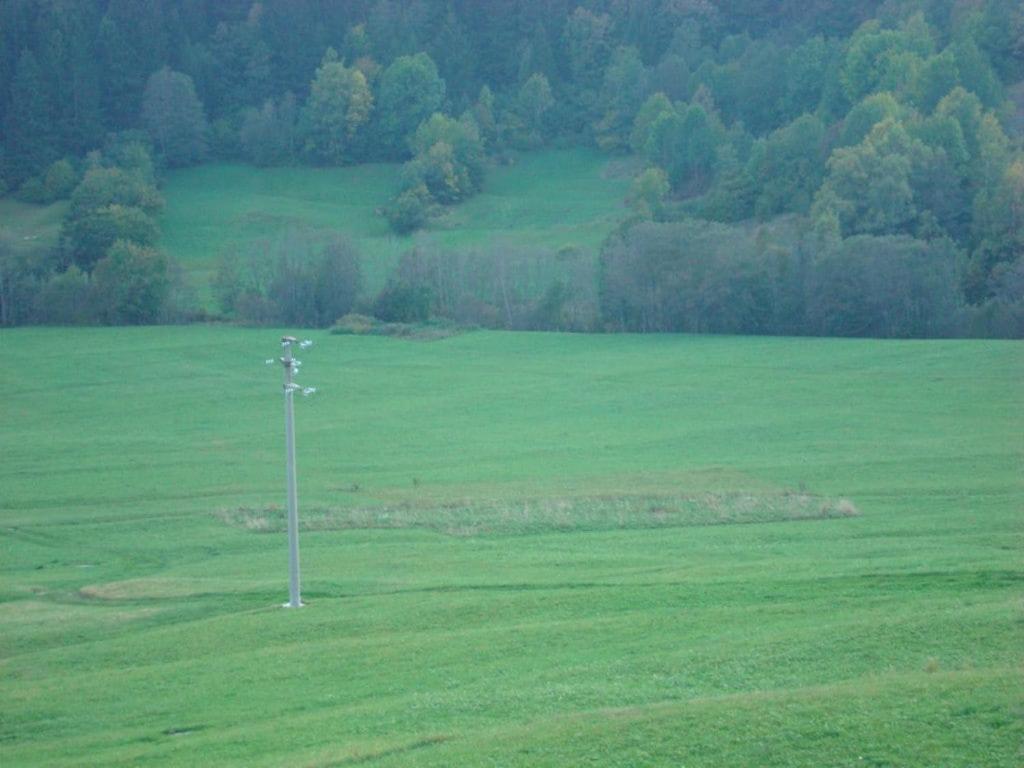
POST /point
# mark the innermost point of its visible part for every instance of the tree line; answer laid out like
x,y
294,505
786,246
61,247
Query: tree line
x,y
693,276
870,122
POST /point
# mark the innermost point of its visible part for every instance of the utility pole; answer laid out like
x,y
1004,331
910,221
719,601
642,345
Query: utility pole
x,y
291,368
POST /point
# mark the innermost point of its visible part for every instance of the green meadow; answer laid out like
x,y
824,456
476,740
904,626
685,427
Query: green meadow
x,y
31,227
547,200
519,550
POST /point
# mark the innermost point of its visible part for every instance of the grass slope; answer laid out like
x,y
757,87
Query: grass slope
x,y
31,226
140,623
555,199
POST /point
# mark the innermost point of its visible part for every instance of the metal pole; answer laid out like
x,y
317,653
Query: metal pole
x,y
294,600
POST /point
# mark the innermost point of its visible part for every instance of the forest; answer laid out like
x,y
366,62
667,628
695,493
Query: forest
x,y
825,168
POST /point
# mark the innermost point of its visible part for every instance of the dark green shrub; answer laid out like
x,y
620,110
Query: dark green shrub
x,y
92,235
131,284
32,191
550,312
66,299
299,279
889,287
60,180
402,302
411,210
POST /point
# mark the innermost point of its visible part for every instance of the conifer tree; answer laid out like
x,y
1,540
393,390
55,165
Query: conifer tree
x,y
31,143
174,117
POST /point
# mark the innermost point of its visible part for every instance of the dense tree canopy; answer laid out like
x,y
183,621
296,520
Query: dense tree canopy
x,y
870,119
268,135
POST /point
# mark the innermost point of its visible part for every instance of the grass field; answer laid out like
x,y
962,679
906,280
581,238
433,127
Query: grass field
x,y
522,550
31,226
213,208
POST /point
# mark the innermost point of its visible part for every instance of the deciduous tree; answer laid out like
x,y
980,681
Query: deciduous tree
x,y
268,135
338,107
870,185
622,93
410,91
791,168
131,283
527,125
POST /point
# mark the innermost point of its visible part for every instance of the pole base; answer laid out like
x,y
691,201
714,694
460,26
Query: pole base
x,y
289,605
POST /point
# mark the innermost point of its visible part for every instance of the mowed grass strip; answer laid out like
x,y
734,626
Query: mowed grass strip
x,y
519,516
138,628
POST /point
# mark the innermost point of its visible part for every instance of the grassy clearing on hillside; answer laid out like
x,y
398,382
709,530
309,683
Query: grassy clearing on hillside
x,y
137,628
549,200
31,226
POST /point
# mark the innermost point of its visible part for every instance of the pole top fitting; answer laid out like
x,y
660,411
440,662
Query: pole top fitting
x,y
288,339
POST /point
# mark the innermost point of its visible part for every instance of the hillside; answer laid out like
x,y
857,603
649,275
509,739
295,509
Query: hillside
x,y
884,136
520,550
547,200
